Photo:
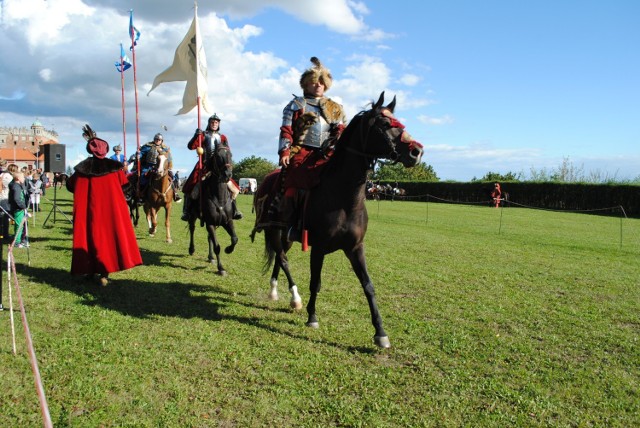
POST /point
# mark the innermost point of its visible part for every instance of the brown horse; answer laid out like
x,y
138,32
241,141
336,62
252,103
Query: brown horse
x,y
335,214
159,195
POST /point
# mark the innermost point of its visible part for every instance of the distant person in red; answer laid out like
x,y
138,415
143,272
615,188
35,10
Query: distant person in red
x,y
103,237
496,194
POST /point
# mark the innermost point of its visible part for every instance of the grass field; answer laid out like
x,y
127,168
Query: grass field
x,y
497,318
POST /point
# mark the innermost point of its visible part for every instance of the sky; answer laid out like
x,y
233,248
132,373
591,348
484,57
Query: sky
x,y
486,86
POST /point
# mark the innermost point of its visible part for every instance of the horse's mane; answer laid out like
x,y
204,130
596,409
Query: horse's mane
x,y
350,129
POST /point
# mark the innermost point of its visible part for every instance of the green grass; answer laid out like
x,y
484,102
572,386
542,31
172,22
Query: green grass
x,y
496,318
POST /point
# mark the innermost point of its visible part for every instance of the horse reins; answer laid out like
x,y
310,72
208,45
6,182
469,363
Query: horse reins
x,y
364,136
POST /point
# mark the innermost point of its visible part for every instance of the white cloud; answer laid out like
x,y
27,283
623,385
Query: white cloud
x,y
410,79
444,120
45,74
43,21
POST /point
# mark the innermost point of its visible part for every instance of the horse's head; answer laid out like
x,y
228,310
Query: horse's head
x,y
384,137
161,165
220,163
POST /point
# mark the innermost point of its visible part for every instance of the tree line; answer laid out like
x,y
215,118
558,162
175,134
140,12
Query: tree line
x,y
566,172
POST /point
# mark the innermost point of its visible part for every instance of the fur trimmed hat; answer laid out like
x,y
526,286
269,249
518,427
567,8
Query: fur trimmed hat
x,y
98,148
317,73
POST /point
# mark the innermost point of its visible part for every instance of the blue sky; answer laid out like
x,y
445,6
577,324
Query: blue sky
x,y
496,86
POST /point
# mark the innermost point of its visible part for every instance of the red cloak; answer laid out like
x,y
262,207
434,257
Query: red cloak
x,y
103,237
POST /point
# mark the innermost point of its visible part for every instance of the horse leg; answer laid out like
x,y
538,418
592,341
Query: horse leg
x,y
273,292
214,247
277,249
359,265
281,259
192,228
152,221
167,222
316,261
231,230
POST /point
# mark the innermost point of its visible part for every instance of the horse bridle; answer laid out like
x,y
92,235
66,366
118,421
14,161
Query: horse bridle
x,y
393,154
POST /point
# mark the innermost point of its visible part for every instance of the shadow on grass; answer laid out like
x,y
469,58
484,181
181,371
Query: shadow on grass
x,y
165,297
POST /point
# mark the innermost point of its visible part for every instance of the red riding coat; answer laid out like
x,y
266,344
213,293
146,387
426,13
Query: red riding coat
x,y
103,237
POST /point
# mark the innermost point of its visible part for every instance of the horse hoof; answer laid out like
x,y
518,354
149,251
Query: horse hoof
x,y
314,324
382,341
273,295
229,249
191,251
169,241
222,272
296,305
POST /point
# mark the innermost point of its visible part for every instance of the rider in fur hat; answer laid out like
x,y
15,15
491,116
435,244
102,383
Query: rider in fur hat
x,y
311,125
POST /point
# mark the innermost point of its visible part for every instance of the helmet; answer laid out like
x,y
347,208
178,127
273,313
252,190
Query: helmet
x,y
214,117
158,136
117,148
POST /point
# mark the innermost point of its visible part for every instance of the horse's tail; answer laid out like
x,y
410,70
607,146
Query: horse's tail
x,y
269,252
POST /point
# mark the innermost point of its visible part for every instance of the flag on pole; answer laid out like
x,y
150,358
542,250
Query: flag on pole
x,y
190,65
133,31
124,62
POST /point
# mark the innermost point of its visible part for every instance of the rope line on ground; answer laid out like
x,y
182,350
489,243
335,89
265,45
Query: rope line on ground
x,y
426,197
11,268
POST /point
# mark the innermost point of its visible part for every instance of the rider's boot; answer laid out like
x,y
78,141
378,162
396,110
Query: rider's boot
x,y
176,194
141,194
237,215
289,217
186,208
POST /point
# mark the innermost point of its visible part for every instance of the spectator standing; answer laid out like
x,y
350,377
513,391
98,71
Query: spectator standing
x,y
35,191
18,205
496,194
5,179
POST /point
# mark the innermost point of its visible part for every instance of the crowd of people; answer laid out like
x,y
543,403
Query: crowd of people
x,y
21,191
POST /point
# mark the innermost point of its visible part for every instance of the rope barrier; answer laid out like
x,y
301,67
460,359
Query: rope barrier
x,y
11,268
426,197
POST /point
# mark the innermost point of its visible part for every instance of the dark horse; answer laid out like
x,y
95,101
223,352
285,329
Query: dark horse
x,y
335,214
213,206
60,179
131,196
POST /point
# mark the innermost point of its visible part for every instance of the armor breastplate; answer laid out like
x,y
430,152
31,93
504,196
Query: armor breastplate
x,y
318,132
210,142
152,157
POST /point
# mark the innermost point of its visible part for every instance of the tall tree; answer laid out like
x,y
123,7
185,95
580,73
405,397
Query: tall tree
x,y
253,167
495,176
397,172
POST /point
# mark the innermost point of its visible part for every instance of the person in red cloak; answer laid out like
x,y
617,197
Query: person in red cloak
x,y
103,237
496,193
